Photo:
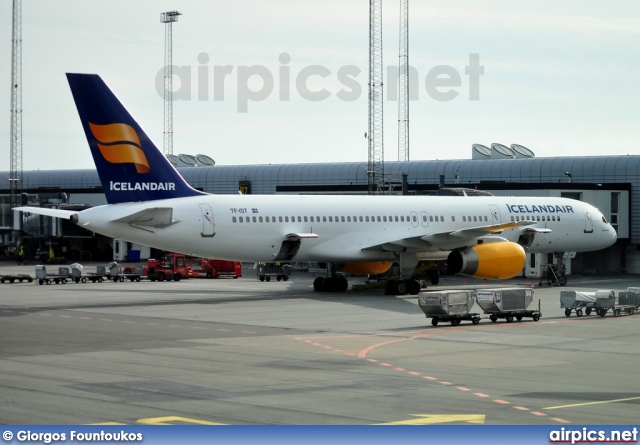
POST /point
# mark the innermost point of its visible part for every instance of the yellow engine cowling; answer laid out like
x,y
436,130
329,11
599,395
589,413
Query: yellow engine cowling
x,y
366,268
490,261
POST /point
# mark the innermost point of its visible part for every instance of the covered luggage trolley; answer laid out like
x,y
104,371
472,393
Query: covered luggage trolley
x,y
448,305
508,303
578,301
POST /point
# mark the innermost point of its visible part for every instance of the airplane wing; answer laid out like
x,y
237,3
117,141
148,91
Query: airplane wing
x,y
452,239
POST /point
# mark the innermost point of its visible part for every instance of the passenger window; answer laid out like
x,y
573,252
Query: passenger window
x,y
260,219
324,219
233,219
424,218
453,219
306,219
348,219
379,220
361,218
396,218
286,219
331,219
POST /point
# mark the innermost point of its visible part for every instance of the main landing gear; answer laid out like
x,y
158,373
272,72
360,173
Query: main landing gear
x,y
402,287
337,283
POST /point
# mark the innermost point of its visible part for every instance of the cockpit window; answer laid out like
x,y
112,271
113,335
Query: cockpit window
x,y
604,220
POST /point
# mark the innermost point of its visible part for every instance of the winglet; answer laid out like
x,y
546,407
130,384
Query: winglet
x,y
130,166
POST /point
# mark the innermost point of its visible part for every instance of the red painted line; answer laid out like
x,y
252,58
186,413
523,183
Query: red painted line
x,y
429,378
372,360
480,394
399,369
522,408
446,383
175,326
502,402
462,388
128,321
198,327
248,332
414,373
327,347
106,319
64,316
384,364
559,420
538,413
85,318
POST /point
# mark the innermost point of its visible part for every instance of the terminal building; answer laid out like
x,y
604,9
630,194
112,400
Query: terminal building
x,y
610,183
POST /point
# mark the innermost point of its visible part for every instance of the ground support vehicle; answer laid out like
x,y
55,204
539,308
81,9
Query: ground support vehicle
x,y
18,277
81,274
578,301
507,303
448,306
631,296
46,277
172,266
606,303
266,271
553,275
209,268
122,273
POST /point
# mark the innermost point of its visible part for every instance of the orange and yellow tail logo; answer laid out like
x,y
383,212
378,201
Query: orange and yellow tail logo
x,y
123,145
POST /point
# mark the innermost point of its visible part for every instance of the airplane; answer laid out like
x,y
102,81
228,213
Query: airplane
x,y
149,203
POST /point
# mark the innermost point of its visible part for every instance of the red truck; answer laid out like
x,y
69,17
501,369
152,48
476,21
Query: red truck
x,y
206,267
172,266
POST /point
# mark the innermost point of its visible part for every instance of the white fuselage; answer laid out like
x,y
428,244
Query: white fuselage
x,y
347,228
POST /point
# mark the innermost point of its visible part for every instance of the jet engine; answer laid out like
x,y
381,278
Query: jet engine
x,y
489,261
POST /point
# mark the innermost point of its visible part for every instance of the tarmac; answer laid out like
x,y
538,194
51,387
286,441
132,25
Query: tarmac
x,y
241,351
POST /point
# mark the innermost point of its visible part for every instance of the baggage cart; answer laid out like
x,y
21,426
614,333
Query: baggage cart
x,y
448,306
507,303
578,301
630,296
18,277
268,270
132,273
48,277
607,301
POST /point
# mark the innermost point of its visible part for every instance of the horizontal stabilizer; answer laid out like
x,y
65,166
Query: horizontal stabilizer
x,y
158,217
56,213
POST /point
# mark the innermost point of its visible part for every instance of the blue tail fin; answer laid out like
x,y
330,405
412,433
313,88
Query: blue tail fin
x,y
130,166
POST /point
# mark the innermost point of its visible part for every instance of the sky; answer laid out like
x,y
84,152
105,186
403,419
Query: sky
x,y
283,82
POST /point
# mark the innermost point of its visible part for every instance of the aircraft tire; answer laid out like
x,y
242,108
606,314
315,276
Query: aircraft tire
x,y
318,284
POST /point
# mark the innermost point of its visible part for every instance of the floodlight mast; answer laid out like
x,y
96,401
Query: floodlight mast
x,y
375,164
168,18
15,144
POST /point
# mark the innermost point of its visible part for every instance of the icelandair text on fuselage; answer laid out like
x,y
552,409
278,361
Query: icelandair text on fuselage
x,y
135,186
76,436
539,209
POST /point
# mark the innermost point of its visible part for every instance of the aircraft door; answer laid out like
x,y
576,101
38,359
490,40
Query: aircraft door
x,y
208,226
495,214
425,219
588,222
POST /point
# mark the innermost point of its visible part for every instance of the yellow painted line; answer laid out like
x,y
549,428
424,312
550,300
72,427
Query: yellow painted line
x,y
601,402
432,419
171,420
